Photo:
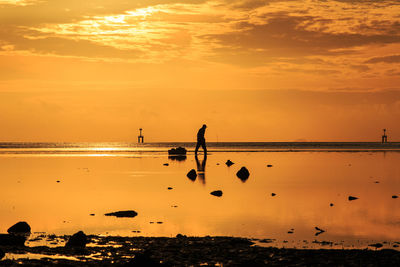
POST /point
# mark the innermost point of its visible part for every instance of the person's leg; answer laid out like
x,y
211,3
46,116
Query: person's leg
x,y
197,148
203,145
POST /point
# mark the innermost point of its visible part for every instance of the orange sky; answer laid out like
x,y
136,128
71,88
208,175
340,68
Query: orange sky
x,y
252,70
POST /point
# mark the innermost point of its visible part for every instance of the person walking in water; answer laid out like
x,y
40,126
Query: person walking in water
x,y
201,141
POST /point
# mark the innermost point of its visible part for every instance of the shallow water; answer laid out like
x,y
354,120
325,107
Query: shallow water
x,y
305,183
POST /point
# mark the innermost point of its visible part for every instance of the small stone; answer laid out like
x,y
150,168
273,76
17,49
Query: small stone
x,y
92,214
77,240
273,194
269,165
217,193
352,198
229,163
58,181
123,214
243,174
331,205
20,228
394,196
169,188
166,164
192,174
290,232
159,222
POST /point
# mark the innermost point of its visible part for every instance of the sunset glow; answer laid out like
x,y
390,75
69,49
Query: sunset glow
x,y
252,70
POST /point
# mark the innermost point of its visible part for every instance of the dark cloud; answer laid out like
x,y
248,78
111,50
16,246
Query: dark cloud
x,y
386,59
284,35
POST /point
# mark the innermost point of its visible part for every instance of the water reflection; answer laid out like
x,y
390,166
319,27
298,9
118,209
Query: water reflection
x,y
177,157
201,168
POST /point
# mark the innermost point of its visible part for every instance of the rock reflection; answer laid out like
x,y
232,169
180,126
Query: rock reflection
x,y
177,157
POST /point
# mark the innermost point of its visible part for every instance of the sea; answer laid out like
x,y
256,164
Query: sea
x,y
349,190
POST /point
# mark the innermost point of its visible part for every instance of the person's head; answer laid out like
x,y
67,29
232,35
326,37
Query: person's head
x,y
204,126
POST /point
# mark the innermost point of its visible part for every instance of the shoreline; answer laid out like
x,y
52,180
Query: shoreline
x,y
188,251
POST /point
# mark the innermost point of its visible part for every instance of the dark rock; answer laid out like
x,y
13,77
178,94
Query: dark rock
x,y
217,193
92,214
376,245
177,151
20,228
290,232
331,205
58,181
273,194
180,236
229,163
394,196
123,214
192,174
159,222
77,240
269,165
243,174
12,240
169,188
166,164
352,198
2,254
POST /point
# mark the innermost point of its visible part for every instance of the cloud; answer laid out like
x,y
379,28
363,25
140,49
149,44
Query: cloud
x,y
385,59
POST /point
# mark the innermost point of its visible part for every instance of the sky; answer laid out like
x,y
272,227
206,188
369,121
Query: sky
x,y
273,70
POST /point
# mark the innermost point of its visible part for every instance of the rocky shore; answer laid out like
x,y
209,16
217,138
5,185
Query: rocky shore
x,y
184,251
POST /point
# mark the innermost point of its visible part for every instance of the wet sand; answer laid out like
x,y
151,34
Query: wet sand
x,y
189,251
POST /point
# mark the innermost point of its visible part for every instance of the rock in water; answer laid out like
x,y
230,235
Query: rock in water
x,y
192,175
12,240
352,198
123,214
229,163
77,240
20,228
217,193
243,174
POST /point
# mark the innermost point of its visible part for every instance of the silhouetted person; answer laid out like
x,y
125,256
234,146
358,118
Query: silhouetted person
x,y
201,168
201,141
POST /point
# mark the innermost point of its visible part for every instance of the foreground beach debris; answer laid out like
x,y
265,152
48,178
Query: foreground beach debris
x,y
190,251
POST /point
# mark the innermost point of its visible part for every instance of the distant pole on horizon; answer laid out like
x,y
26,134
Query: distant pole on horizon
x,y
140,138
384,137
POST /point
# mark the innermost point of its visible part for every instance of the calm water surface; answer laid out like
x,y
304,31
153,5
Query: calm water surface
x,y
101,178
